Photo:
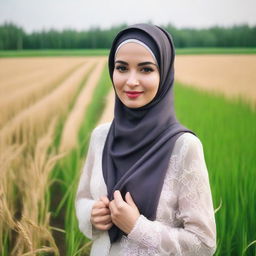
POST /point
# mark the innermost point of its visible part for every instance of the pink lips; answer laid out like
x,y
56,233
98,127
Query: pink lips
x,y
133,94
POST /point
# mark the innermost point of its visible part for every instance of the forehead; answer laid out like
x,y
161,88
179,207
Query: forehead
x,y
134,50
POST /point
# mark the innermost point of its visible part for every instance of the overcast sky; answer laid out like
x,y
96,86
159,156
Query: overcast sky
x,y
83,14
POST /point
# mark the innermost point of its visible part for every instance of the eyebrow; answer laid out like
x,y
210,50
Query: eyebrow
x,y
140,64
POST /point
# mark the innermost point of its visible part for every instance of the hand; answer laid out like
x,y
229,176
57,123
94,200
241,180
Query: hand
x,y
124,214
100,215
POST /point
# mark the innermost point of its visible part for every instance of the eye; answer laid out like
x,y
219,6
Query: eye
x,y
121,68
147,70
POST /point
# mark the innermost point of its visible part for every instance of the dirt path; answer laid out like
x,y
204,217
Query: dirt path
x,y
76,116
231,75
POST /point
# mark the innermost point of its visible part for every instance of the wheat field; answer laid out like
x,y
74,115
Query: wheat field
x,y
35,94
48,108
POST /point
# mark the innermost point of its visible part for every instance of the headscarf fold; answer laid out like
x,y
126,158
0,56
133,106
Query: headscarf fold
x,y
140,141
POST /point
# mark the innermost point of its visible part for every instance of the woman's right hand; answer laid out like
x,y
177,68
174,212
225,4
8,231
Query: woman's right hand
x,y
100,215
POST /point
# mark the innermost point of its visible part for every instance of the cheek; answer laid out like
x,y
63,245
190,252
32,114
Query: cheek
x,y
153,83
117,80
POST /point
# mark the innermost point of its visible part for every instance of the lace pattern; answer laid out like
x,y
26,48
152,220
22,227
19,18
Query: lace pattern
x,y
131,248
185,197
184,224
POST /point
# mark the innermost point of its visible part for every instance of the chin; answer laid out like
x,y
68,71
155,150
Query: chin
x,y
130,104
133,105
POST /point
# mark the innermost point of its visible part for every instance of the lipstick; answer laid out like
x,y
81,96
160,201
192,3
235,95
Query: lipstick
x,y
133,94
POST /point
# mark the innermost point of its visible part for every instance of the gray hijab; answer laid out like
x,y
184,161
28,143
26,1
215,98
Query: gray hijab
x,y
140,140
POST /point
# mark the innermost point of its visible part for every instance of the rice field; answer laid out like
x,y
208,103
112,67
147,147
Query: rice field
x,y
233,75
50,106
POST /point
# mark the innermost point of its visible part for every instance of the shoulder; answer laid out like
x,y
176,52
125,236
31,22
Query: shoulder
x,y
101,129
189,144
189,138
100,132
188,157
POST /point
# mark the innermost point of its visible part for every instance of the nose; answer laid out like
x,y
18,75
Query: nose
x,y
132,79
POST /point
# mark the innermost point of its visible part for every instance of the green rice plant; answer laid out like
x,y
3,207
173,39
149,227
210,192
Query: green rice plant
x,y
53,52
227,129
67,174
56,191
215,50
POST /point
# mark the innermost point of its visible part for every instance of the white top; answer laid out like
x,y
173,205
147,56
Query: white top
x,y
184,224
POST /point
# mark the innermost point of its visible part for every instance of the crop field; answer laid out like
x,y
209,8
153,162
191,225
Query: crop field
x,y
104,52
232,75
49,107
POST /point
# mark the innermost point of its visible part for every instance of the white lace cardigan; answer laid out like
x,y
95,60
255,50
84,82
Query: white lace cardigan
x,y
184,224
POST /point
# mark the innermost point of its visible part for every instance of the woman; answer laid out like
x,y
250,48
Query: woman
x,y
144,189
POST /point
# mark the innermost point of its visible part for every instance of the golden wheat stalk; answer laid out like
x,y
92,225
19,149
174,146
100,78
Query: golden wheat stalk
x,y
32,122
12,103
34,225
29,70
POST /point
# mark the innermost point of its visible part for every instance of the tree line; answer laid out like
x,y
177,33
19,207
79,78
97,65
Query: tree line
x,y
13,37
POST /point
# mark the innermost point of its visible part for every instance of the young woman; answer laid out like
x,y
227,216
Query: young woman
x,y
144,189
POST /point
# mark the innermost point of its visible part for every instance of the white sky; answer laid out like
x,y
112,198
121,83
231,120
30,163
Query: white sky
x,y
83,14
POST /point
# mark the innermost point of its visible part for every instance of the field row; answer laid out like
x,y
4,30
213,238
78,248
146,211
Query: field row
x,y
49,107
28,148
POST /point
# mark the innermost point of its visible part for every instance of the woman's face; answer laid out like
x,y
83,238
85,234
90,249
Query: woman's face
x,y
136,76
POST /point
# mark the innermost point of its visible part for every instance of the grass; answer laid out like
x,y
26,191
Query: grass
x,y
224,127
62,174
104,52
54,52
67,174
192,51
227,131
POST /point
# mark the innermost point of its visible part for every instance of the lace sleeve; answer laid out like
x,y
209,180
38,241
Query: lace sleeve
x,y
197,234
84,201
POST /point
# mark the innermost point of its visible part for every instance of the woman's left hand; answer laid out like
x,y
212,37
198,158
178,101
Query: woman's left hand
x,y
123,214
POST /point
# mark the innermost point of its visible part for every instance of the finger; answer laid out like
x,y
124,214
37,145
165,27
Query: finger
x,y
119,202
100,211
112,207
99,204
129,199
105,200
104,226
103,219
108,226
